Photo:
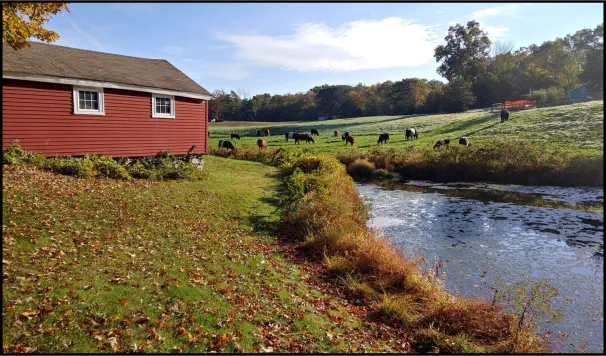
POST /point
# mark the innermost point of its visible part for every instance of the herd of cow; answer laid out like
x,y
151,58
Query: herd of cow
x,y
411,134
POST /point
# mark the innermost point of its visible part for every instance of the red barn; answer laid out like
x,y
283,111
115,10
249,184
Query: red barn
x,y
65,101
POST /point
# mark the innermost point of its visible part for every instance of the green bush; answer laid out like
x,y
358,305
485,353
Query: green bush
x,y
555,93
108,167
15,154
163,166
538,95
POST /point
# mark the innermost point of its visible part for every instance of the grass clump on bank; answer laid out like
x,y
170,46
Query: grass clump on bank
x,y
160,167
322,210
502,163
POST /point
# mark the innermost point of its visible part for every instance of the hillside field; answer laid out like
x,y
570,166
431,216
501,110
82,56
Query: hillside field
x,y
576,128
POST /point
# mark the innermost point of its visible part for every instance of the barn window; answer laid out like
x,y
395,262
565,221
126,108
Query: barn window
x,y
163,106
88,101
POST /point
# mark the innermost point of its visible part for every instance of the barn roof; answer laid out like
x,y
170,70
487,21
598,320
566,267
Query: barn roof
x,y
65,62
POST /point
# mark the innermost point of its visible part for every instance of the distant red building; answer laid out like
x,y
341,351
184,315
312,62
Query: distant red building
x,y
65,101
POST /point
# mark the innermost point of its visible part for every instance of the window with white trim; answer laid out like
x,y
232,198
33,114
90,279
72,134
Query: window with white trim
x,y
163,106
88,101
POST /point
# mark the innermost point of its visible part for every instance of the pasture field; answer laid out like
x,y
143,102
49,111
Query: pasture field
x,y
102,265
576,129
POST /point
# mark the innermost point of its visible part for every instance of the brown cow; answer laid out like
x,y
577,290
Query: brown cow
x,y
261,143
504,115
349,139
267,132
336,133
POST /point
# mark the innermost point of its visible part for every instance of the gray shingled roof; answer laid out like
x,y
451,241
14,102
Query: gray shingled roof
x,y
66,62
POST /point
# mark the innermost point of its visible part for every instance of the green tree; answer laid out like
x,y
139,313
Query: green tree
x,y
457,97
593,68
24,20
465,53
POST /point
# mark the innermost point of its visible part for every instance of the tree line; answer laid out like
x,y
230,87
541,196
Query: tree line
x,y
479,73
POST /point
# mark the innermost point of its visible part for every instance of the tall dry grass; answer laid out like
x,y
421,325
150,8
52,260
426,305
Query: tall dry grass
x,y
516,163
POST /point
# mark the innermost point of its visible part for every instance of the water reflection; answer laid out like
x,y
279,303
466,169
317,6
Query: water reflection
x,y
484,239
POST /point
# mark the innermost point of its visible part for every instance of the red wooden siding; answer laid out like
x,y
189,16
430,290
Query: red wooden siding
x,y
40,116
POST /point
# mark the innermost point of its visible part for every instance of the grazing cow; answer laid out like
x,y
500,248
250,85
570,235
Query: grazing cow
x,y
258,132
441,143
349,139
226,144
412,133
383,138
336,133
267,132
315,132
464,141
261,143
289,135
344,136
235,136
303,136
504,115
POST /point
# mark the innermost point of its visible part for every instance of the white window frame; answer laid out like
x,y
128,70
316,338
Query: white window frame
x,y
172,106
78,111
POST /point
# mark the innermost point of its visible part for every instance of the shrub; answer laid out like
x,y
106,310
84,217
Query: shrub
x,y
538,95
108,167
361,168
15,154
555,93
71,166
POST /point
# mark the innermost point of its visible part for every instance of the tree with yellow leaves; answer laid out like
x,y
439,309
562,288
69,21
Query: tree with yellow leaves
x,y
24,20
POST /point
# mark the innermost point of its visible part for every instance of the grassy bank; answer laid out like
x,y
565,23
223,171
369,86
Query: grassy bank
x,y
575,129
322,210
104,265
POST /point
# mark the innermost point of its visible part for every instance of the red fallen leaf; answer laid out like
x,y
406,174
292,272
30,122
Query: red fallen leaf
x,y
142,320
123,300
181,331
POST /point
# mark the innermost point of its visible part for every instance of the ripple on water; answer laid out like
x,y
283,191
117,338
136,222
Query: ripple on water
x,y
482,240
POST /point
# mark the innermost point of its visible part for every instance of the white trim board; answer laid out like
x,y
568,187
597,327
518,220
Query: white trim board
x,y
92,83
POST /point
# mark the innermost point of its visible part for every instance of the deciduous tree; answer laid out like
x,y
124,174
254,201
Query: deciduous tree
x,y
24,20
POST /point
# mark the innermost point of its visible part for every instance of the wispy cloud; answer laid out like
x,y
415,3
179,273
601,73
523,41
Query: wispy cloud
x,y
386,43
494,32
80,38
495,11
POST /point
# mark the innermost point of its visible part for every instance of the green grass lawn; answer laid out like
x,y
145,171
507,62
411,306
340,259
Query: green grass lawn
x,y
99,265
576,128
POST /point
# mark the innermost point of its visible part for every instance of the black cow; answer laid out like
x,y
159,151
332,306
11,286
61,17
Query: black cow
x,y
504,115
259,132
412,133
315,132
464,141
226,144
349,139
289,135
344,136
383,138
235,136
303,136
441,143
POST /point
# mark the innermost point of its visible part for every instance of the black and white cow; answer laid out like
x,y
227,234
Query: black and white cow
x,y
412,133
289,135
441,143
344,135
464,141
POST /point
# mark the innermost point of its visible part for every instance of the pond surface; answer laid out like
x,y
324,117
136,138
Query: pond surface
x,y
484,238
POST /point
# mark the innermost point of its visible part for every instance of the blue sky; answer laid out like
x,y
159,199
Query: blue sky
x,y
289,48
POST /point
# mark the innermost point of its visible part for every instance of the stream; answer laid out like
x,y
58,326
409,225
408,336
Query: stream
x,y
483,230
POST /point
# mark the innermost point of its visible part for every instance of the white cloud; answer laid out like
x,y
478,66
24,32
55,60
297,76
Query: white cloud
x,y
495,11
386,43
494,31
